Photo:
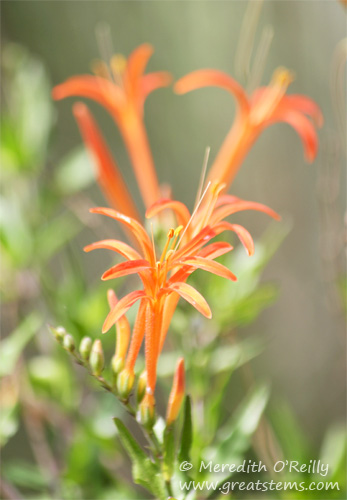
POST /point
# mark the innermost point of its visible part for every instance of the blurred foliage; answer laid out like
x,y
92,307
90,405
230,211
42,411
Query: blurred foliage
x,y
70,448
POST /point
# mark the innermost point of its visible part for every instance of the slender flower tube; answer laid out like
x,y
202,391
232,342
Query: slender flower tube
x,y
176,394
266,106
110,178
122,88
187,249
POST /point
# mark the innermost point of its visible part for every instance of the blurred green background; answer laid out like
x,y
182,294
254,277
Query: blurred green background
x,y
305,358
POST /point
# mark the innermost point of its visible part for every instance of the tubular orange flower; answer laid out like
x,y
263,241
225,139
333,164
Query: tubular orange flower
x,y
164,279
267,105
109,177
122,88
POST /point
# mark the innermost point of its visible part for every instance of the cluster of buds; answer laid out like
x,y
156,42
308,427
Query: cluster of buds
x,y
91,355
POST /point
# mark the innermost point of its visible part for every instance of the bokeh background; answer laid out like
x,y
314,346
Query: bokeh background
x,y
305,356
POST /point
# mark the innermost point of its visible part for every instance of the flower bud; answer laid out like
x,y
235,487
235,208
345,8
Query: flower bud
x,y
97,359
58,332
117,364
147,411
125,383
85,347
68,342
177,393
141,386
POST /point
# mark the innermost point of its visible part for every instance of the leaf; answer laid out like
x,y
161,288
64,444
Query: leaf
x,y
333,452
13,345
230,357
53,236
144,471
75,172
234,439
187,432
169,452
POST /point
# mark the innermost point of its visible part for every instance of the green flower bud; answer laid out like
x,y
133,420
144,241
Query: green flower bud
x,y
117,364
85,347
141,386
68,342
125,383
59,333
96,359
146,414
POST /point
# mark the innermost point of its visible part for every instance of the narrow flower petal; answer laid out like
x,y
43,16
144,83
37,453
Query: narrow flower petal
x,y
244,236
134,226
116,245
137,62
239,206
125,268
181,211
188,293
215,250
305,105
109,176
210,77
154,81
195,243
305,129
210,266
121,308
93,87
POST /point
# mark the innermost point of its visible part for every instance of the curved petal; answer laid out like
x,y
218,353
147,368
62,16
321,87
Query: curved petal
x,y
135,227
215,250
211,266
181,211
137,62
238,206
192,296
304,128
154,81
116,245
195,243
125,268
304,104
121,308
99,89
215,78
244,236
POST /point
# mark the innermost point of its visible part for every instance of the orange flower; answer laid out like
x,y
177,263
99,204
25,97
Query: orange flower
x,y
109,177
122,89
267,105
164,279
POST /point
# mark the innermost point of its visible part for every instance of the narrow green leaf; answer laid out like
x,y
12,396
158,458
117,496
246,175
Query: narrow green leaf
x,y
234,439
13,345
187,432
169,452
228,358
144,471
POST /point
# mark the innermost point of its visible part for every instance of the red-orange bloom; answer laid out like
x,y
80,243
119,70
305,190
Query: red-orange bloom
x,y
267,105
187,248
122,88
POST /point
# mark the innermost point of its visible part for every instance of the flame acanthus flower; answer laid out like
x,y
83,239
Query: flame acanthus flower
x,y
187,249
